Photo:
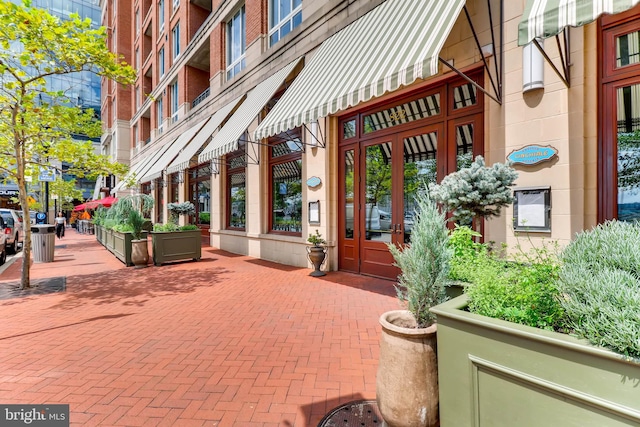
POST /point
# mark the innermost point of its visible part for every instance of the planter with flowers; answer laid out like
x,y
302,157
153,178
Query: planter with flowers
x,y
317,253
172,242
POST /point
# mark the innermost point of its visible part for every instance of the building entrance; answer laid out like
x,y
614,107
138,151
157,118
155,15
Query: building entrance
x,y
389,154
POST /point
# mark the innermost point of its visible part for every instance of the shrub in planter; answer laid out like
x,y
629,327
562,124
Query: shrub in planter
x,y
600,286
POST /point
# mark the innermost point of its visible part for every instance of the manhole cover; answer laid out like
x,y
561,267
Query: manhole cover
x,y
361,413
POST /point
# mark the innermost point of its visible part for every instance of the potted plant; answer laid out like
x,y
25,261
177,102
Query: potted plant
x,y
139,248
317,253
172,242
407,378
119,233
560,336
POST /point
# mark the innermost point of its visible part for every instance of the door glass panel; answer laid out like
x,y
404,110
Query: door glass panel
x,y
204,199
349,129
464,96
349,193
419,173
464,146
378,205
628,49
408,112
628,107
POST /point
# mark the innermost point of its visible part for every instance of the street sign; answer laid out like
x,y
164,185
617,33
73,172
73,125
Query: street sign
x,y
47,174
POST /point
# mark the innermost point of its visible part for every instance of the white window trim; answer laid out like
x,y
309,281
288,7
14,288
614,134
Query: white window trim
x,y
161,62
161,13
243,56
176,4
284,20
175,41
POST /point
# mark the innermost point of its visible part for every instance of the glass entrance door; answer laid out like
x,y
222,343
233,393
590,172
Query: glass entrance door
x,y
394,170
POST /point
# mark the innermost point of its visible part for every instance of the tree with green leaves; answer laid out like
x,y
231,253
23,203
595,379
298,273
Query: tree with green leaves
x,y
36,122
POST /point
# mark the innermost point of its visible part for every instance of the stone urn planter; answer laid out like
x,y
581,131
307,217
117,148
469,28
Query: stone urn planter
x,y
139,253
317,255
407,380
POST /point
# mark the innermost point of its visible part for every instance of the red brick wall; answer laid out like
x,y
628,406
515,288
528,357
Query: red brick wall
x,y
198,81
216,62
195,17
256,15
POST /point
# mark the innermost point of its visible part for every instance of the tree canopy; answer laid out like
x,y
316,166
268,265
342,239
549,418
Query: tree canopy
x,y
37,124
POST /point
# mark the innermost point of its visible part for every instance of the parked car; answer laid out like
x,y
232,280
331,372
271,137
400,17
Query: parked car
x,y
14,229
3,242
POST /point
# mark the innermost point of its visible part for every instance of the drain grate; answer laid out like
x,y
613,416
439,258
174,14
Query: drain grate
x,y
361,413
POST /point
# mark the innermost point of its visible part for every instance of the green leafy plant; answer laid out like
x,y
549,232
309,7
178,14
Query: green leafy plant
x,y
520,290
600,286
316,239
177,209
204,217
476,191
119,212
136,222
424,262
170,226
188,227
100,215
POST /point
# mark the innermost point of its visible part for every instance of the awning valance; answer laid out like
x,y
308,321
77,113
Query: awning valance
x,y
142,172
134,171
226,140
156,170
391,46
547,18
182,161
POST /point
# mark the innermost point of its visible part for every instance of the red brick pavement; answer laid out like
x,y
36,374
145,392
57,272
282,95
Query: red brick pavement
x,y
226,341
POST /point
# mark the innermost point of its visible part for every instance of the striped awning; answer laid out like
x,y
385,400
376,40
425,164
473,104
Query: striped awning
x,y
178,145
391,46
226,140
134,171
182,161
142,172
546,18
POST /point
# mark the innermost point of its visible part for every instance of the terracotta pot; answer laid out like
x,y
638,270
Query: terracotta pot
x,y
407,380
317,254
139,253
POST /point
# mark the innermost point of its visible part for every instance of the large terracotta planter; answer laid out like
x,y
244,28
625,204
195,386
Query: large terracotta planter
x,y
499,373
407,380
139,253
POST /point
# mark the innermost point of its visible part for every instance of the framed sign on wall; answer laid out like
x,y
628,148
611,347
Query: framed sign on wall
x,y
532,209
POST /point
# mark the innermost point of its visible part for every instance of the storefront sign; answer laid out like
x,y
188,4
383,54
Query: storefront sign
x,y
9,193
532,154
313,182
47,174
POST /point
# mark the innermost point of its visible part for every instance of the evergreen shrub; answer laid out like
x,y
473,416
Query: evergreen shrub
x,y
600,286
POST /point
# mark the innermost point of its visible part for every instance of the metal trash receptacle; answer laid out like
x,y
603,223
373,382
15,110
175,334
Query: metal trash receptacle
x,y
43,240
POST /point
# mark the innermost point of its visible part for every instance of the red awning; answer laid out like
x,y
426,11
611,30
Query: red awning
x,y
106,202
79,207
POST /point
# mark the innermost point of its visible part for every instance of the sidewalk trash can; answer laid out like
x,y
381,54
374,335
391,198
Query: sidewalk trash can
x,y
43,240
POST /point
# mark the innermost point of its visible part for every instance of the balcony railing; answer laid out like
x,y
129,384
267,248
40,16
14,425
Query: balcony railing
x,y
204,95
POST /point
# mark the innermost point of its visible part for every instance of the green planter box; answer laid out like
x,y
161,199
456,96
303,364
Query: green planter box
x,y
108,239
492,372
99,233
122,246
176,245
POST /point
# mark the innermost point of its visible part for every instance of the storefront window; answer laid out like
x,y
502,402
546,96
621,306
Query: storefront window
x,y
407,112
159,201
200,194
628,49
285,175
236,189
174,188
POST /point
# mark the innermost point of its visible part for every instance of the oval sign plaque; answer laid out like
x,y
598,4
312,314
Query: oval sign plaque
x,y
313,182
532,154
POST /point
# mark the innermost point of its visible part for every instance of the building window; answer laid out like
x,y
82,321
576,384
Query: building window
x,y
137,95
161,63
237,188
160,115
175,35
138,21
174,187
137,65
174,102
176,4
285,182
236,44
135,135
200,193
284,16
160,16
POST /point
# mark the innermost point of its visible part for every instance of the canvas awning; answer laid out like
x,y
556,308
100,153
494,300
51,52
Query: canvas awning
x,y
176,147
547,18
134,171
152,161
391,46
182,161
226,140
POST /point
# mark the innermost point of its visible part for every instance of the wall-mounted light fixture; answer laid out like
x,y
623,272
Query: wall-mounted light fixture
x,y
532,67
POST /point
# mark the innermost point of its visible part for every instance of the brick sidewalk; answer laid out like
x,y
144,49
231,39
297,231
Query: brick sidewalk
x,y
226,341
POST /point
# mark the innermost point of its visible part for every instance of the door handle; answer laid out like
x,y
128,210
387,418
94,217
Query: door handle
x,y
399,229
